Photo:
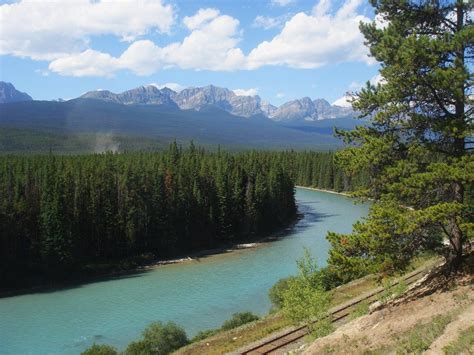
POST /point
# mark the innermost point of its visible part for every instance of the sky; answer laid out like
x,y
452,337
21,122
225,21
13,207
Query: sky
x,y
278,49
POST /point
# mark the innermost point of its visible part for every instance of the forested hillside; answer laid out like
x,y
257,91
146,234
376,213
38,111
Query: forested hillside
x,y
71,211
210,126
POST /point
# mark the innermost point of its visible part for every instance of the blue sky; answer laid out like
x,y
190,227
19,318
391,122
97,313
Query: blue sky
x,y
278,49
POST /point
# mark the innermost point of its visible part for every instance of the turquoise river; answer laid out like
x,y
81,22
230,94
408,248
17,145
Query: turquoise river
x,y
198,294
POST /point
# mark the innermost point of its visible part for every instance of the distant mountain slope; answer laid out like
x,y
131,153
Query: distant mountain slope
x,y
38,141
141,95
8,93
199,98
209,126
307,110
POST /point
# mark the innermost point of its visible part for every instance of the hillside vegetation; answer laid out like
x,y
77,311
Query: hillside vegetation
x,y
210,126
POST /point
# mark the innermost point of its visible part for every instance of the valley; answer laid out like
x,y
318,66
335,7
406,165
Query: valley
x,y
153,118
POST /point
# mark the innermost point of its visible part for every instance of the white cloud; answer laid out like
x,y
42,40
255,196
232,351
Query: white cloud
x,y
282,2
375,80
311,41
321,8
210,46
87,63
246,92
173,86
47,30
380,21
355,86
142,57
280,95
378,79
344,101
266,22
202,17
61,34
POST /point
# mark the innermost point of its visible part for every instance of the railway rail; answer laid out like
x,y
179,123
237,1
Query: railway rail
x,y
337,315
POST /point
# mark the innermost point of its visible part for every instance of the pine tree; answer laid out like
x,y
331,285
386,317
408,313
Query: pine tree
x,y
417,148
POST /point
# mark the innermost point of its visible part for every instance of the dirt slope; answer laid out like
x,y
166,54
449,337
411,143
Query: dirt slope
x,y
426,319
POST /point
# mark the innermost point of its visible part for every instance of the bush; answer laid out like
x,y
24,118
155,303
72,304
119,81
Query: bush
x,y
103,349
239,319
303,303
159,339
275,294
305,299
139,347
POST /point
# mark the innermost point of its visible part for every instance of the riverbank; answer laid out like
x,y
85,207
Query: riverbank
x,y
144,263
324,190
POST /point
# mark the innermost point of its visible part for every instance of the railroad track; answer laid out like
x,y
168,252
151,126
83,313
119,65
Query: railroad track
x,y
336,314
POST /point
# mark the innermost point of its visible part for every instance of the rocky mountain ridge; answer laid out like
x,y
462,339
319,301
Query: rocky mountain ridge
x,y
303,110
199,98
8,93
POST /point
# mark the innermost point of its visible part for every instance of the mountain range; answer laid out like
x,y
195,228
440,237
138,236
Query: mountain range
x,y
302,110
209,115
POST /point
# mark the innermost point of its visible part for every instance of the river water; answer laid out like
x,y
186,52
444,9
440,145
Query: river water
x,y
197,295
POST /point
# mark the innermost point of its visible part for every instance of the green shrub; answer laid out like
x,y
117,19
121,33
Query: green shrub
x,y
159,339
305,299
138,347
275,294
302,303
239,319
102,349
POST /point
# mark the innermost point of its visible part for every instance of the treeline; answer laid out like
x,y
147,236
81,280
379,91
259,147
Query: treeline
x,y
64,213
60,211
319,169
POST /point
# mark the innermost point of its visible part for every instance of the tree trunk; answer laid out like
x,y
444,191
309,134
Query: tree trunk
x,y
456,237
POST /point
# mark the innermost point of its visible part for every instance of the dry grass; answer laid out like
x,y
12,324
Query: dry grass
x,y
464,344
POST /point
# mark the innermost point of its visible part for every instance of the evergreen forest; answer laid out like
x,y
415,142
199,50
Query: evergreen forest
x,y
63,214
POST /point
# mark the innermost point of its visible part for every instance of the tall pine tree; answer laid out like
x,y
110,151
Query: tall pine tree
x,y
417,150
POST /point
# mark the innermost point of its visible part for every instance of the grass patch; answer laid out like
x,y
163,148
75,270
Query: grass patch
x,y
321,329
360,310
464,344
392,290
353,289
419,338
225,341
